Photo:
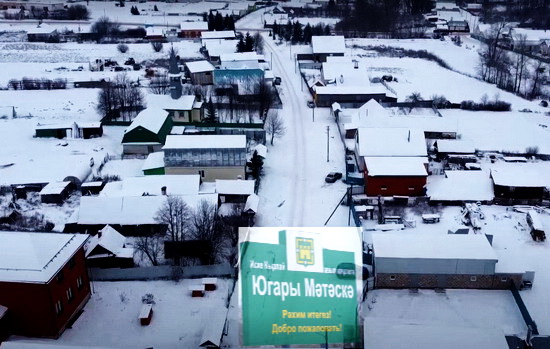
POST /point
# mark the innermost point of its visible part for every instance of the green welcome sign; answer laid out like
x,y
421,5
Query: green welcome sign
x,y
300,286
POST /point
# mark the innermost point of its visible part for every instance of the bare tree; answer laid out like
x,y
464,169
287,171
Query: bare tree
x,y
159,85
120,97
520,60
274,125
150,246
414,98
157,46
538,77
204,226
258,43
175,214
265,97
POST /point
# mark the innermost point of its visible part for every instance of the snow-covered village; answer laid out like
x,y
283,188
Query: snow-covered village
x,y
275,174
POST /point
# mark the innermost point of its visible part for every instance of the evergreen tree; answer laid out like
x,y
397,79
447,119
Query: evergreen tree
x,y
296,32
218,22
248,43
240,45
327,30
275,29
288,31
226,24
231,25
156,9
256,163
211,21
307,34
210,112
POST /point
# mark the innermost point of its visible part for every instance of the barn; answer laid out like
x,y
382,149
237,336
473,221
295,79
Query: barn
x,y
55,192
147,132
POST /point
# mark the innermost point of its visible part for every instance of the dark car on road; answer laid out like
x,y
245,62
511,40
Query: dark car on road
x,y
333,177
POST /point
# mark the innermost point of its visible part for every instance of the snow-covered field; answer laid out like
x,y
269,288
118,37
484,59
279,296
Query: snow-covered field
x,y
110,318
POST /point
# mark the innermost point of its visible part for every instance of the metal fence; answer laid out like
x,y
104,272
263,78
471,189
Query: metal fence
x,y
161,272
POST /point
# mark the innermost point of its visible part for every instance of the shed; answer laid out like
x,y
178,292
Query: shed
x,y
147,132
516,181
196,290
108,249
210,284
535,222
154,164
55,130
445,147
55,192
221,34
461,186
426,260
92,188
234,191
145,314
200,72
88,130
324,46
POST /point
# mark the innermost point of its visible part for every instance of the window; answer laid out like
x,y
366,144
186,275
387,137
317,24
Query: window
x,y
411,188
79,283
504,279
383,188
473,278
70,294
72,263
58,307
59,276
392,277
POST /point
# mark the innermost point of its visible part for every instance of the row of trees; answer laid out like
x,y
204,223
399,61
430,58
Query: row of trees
x,y
251,43
515,70
297,33
218,22
528,13
219,235
398,18
37,84
120,99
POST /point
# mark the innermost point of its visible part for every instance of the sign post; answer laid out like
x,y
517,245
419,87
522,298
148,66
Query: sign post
x,y
298,285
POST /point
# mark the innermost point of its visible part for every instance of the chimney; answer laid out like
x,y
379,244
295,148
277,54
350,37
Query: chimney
x,y
99,234
409,137
163,190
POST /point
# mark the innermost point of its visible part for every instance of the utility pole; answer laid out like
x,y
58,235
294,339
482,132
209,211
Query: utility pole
x,y
328,143
326,339
313,111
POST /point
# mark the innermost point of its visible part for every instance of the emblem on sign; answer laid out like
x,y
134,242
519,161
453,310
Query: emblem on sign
x,y
304,251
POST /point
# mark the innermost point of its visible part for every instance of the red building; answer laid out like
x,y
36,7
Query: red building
x,y
192,30
389,176
393,161
43,281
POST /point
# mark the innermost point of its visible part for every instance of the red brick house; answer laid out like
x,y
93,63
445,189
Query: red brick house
x,y
43,281
393,161
192,30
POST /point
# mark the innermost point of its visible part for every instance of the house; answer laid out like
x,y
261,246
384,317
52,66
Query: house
x,y
131,215
444,148
458,187
108,249
200,72
393,160
438,261
234,191
239,73
55,192
192,30
155,34
211,156
215,48
154,164
184,109
43,281
458,27
153,185
520,183
218,35
326,95
42,33
401,176
147,132
325,46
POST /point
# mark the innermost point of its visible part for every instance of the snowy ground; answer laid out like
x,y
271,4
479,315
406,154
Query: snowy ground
x,y
178,319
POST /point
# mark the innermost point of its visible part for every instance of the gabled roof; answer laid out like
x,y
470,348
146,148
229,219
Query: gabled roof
x,y
154,160
151,185
36,257
235,186
108,238
328,44
53,188
222,34
166,102
199,66
396,166
532,175
150,119
252,203
391,142
455,146
194,26
461,186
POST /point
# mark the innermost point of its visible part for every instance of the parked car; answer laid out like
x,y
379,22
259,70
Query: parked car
x,y
311,104
333,177
277,81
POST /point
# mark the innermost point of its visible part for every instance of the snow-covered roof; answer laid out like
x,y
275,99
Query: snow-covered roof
x,y
66,125
461,186
535,220
150,119
36,257
194,26
521,175
455,146
41,29
235,186
109,239
154,160
241,56
396,166
166,102
92,184
154,31
151,185
53,188
218,47
205,141
328,44
391,142
430,246
132,210
213,328
199,66
387,334
373,108
252,203
237,65
262,150
96,124
222,34
367,89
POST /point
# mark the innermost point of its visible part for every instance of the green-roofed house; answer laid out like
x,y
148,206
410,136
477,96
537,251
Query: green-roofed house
x,y
154,164
147,132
